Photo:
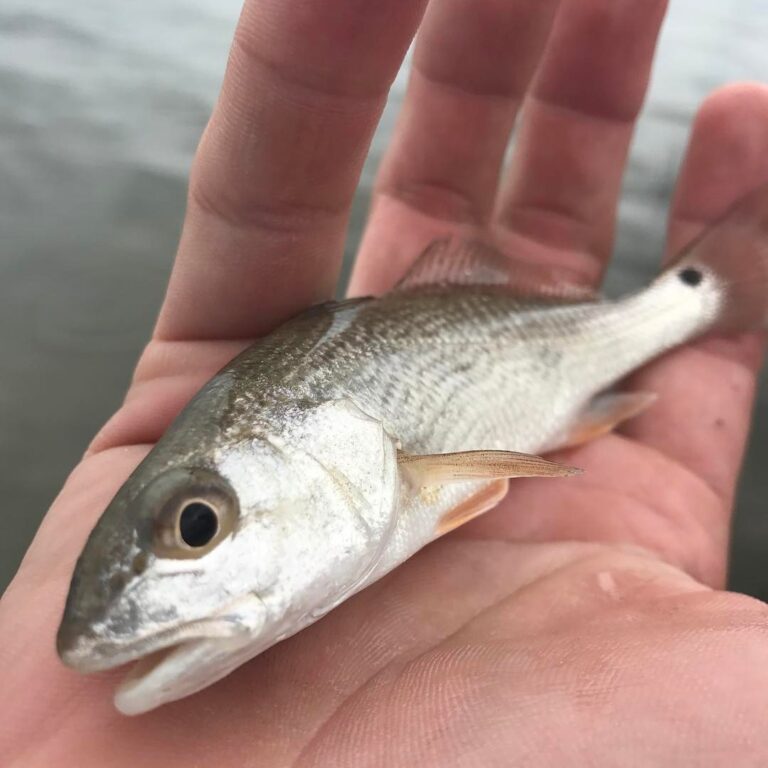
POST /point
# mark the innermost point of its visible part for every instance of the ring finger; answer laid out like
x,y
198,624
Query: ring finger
x,y
559,197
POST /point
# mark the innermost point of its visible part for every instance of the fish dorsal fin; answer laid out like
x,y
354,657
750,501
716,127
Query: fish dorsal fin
x,y
457,261
441,468
451,261
336,306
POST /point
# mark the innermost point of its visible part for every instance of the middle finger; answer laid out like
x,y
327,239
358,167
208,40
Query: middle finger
x,y
472,65
559,201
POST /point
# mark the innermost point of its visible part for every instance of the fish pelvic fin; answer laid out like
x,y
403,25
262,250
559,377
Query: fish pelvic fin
x,y
482,501
734,253
442,468
455,261
603,414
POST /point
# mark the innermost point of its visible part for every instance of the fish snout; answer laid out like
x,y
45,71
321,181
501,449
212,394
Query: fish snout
x,y
98,622
78,646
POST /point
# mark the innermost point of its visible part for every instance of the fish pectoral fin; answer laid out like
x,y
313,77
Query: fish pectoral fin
x,y
486,498
604,413
456,261
441,468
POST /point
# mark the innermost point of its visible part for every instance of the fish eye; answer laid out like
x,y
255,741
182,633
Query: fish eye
x,y
691,276
198,524
197,511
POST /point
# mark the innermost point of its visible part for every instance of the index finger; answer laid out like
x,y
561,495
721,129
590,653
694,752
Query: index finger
x,y
277,167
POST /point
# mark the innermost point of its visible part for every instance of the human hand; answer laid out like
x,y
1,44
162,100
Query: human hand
x,y
578,624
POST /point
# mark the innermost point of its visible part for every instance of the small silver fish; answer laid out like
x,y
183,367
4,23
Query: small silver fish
x,y
335,448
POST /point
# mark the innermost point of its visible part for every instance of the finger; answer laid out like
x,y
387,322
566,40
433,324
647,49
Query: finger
x,y
559,200
472,65
706,390
278,164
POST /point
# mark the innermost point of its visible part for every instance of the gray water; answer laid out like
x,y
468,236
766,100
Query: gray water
x,y
101,106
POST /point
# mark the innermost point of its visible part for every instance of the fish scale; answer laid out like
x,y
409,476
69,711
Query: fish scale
x,y
388,362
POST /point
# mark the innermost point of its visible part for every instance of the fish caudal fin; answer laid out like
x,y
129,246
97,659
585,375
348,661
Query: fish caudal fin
x,y
733,253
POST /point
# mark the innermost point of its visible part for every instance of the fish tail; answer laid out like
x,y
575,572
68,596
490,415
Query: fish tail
x,y
732,258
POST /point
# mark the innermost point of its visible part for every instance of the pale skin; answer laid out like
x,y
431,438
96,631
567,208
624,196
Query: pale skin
x,y
583,622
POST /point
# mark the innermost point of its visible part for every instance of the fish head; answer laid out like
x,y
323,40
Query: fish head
x,y
198,563
163,572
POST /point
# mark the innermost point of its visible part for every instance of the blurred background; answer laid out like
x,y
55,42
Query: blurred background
x,y
101,107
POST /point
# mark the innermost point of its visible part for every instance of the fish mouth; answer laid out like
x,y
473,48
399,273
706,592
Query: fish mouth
x,y
174,662
86,653
177,671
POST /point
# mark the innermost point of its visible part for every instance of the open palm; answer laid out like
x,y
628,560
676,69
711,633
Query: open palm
x,y
579,623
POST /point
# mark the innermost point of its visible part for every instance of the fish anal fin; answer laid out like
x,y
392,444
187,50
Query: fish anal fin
x,y
605,412
457,261
441,468
486,498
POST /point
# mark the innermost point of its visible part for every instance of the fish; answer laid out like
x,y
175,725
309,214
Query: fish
x,y
336,447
